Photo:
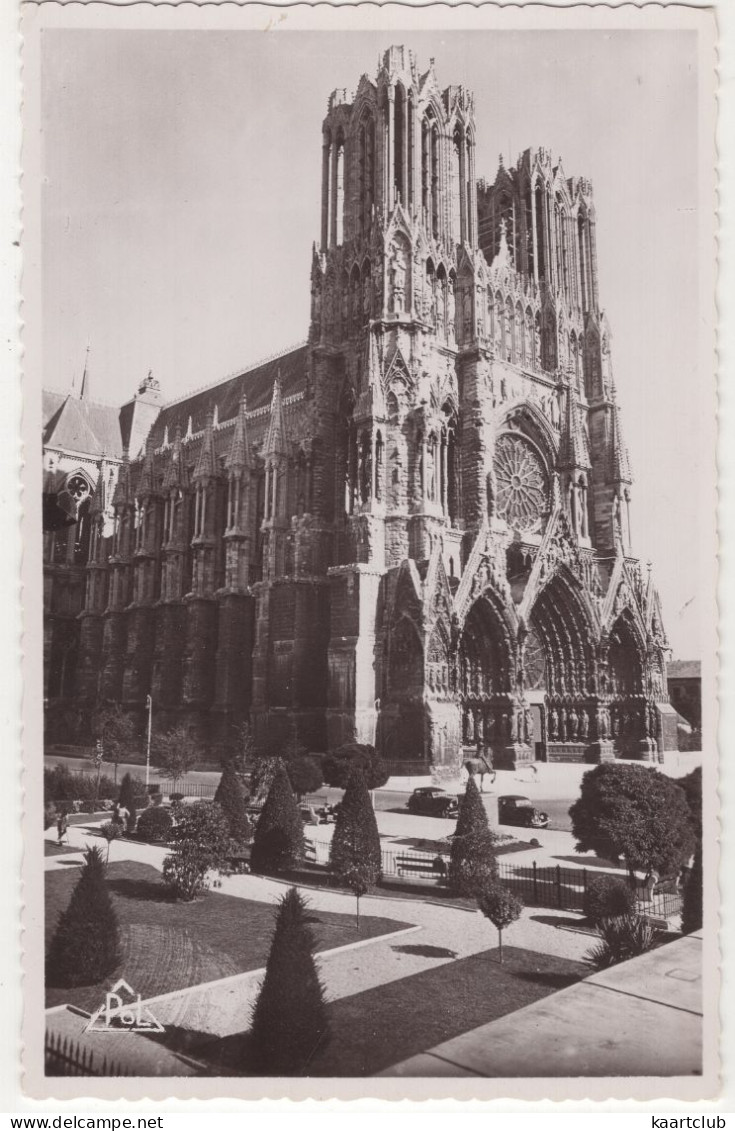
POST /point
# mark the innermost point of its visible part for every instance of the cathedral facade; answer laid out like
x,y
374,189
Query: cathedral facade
x,y
414,529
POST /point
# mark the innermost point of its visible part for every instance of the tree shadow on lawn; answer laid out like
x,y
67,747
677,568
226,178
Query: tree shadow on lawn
x,y
157,892
561,920
381,1026
426,951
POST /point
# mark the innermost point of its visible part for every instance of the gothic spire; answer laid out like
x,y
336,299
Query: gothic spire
x,y
98,502
621,471
573,450
275,441
206,467
239,454
145,483
121,496
84,386
175,475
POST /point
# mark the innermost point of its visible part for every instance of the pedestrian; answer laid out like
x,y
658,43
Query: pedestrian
x,y
122,817
62,826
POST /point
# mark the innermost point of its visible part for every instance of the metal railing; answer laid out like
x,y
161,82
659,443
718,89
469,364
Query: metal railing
x,y
64,1057
553,886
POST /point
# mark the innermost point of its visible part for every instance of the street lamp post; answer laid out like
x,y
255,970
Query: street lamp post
x,y
149,705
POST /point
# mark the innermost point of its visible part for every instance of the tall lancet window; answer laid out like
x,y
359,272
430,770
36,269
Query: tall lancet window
x,y
399,145
339,196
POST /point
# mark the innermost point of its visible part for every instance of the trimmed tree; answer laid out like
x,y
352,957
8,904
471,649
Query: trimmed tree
x,y
606,897
201,842
279,834
692,913
305,774
472,864
230,797
354,854
85,946
501,907
265,768
289,1020
339,764
634,812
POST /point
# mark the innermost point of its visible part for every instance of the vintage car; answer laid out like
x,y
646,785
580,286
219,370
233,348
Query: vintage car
x,y
514,809
433,802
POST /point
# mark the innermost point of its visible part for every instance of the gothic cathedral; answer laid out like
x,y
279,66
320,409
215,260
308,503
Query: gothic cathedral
x,y
413,530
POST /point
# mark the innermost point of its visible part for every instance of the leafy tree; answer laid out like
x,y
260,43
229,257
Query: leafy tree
x,y
472,863
115,730
264,770
289,1021
354,854
634,812
607,897
692,914
501,907
279,835
623,937
305,774
692,785
338,765
85,949
231,799
174,752
201,839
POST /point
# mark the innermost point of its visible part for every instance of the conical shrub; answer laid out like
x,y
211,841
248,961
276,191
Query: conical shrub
x,y
85,947
472,863
230,797
289,1021
354,855
278,843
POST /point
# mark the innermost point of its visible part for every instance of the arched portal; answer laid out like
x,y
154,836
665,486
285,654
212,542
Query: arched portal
x,y
486,667
559,659
633,721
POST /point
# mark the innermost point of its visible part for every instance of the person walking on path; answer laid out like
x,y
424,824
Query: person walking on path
x,y
62,826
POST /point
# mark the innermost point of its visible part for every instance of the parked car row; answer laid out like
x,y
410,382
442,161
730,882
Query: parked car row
x,y
513,808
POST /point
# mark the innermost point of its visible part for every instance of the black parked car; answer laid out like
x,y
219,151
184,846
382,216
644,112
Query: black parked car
x,y
514,809
432,802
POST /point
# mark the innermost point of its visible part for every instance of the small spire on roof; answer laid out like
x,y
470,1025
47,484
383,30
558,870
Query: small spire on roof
x,y
275,441
206,466
239,454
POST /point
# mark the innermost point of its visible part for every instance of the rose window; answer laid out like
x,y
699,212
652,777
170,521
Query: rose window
x,y
77,487
522,483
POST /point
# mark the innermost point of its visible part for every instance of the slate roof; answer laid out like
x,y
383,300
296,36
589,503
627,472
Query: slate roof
x,y
256,384
684,669
78,425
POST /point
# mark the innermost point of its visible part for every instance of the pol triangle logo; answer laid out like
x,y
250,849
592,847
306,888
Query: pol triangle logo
x,y
123,1012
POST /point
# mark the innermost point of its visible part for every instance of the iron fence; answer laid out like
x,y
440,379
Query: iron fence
x,y
553,886
65,1057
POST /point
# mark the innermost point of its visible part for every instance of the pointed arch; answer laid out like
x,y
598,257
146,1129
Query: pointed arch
x,y
565,624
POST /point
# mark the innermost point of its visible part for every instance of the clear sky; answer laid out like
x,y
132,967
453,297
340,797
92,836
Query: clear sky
x,y
182,196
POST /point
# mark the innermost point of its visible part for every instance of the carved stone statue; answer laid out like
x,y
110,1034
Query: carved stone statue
x,y
398,279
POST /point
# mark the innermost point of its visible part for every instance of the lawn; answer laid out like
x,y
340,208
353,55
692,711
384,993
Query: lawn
x,y
168,946
51,848
377,1028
